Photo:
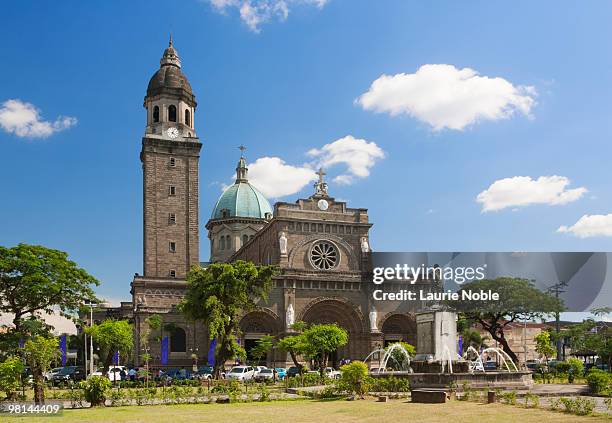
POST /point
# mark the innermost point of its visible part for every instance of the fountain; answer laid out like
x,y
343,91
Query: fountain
x,y
437,365
385,354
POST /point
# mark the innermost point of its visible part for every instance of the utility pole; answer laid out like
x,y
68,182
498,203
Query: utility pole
x,y
558,289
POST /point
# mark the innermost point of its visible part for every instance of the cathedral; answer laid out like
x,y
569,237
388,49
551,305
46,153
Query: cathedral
x,y
320,245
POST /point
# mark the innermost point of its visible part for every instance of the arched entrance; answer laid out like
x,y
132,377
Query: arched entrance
x,y
399,327
344,314
255,325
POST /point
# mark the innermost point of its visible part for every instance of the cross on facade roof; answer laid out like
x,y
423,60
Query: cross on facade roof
x,y
321,175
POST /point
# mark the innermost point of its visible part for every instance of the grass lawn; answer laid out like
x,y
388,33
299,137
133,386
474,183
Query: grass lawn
x,y
316,411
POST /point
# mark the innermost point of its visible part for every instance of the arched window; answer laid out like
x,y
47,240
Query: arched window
x,y
228,242
187,117
178,340
245,239
222,243
156,114
172,113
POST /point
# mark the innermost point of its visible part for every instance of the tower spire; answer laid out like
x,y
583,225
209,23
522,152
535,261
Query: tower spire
x,y
241,169
170,43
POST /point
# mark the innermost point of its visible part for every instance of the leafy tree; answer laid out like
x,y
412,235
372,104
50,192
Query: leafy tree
x,y
321,340
112,336
518,300
354,378
10,376
294,344
397,355
593,337
544,346
261,348
35,278
218,295
39,353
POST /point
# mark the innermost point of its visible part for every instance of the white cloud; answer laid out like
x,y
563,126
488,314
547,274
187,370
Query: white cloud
x,y
521,191
274,178
24,120
256,12
358,154
446,97
590,226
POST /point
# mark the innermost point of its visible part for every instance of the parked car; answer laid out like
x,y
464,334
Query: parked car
x,y
241,373
179,374
265,374
281,373
293,371
68,375
259,369
114,373
49,375
332,373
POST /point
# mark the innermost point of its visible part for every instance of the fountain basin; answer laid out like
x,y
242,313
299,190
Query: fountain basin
x,y
477,380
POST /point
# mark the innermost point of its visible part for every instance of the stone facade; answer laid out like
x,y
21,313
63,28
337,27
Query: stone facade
x,y
320,245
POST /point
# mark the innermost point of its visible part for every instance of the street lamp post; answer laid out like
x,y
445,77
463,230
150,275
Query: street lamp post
x,y
91,370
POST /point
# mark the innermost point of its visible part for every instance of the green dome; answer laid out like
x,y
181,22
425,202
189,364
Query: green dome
x,y
242,200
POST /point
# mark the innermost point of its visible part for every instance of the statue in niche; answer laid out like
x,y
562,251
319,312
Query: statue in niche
x,y
373,319
365,247
282,243
290,316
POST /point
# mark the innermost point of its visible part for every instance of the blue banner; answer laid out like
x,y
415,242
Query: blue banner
x,y
116,358
63,348
164,350
460,345
21,343
211,352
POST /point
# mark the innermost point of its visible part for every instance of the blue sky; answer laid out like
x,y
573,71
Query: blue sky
x,y
290,84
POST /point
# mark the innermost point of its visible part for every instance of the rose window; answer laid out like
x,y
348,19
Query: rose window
x,y
324,255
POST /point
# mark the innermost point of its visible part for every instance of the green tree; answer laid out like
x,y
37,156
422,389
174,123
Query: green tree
x,y
518,300
218,295
398,358
112,336
261,348
35,279
544,345
591,337
321,340
294,344
10,376
39,352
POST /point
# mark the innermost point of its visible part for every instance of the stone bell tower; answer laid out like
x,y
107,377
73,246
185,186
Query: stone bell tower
x,y
170,155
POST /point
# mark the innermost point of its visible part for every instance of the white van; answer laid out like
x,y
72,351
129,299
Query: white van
x,y
241,373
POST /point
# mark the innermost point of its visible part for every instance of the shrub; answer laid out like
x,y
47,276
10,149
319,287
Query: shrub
x,y
264,393
116,397
10,372
509,397
532,400
312,379
95,389
580,406
389,384
600,382
354,378
76,397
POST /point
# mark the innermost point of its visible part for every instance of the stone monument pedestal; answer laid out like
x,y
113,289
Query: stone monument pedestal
x,y
436,336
